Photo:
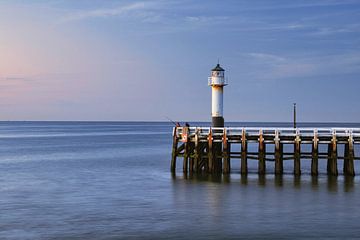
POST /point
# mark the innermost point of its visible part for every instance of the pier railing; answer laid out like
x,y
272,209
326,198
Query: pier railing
x,y
288,135
209,149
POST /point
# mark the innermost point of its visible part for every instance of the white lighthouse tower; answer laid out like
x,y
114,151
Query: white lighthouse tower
x,y
217,83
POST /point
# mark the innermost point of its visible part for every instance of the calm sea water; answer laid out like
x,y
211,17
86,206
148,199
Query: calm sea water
x,y
111,180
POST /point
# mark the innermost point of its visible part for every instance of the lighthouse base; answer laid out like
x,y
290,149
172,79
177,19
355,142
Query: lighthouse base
x,y
217,121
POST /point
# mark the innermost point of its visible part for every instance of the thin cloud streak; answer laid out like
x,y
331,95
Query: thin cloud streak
x,y
291,5
103,13
272,66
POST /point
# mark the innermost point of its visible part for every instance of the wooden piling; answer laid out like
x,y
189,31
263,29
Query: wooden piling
x,y
214,154
315,155
225,153
174,151
278,154
197,152
332,157
218,166
210,152
349,157
262,154
244,168
191,157
186,149
297,155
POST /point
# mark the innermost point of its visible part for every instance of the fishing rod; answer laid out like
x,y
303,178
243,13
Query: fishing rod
x,y
171,120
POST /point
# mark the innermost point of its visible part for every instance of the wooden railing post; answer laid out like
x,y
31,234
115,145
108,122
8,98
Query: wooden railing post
x,y
197,153
226,157
332,156
315,154
278,154
210,152
297,154
244,168
186,149
349,157
262,154
174,150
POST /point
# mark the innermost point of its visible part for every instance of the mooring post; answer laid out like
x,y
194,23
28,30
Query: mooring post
x,y
315,154
225,153
210,152
262,154
332,156
244,168
174,150
349,156
185,136
278,154
297,154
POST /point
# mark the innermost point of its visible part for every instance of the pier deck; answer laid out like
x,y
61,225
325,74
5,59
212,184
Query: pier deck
x,y
206,149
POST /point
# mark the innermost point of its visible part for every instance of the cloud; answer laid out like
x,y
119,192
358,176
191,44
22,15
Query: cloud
x,y
105,12
296,5
270,66
325,31
11,80
266,57
205,19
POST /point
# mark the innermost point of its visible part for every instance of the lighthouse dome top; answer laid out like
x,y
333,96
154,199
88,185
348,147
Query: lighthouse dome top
x,y
218,68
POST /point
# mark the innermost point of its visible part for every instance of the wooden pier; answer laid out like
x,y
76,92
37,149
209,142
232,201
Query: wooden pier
x,y
206,149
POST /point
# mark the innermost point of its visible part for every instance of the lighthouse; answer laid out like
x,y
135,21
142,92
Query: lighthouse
x,y
217,83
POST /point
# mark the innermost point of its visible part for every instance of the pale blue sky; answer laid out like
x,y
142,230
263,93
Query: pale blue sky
x,y
143,60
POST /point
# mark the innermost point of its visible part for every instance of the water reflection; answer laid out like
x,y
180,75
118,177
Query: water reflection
x,y
315,183
278,180
244,179
332,183
262,180
203,177
349,183
297,181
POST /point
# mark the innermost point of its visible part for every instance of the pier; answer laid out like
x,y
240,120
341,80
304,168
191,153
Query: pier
x,y
211,149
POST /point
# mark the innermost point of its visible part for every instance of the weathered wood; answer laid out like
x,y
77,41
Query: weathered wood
x,y
244,168
174,151
315,155
203,157
191,157
226,156
197,152
349,157
186,150
210,153
278,154
218,157
332,157
262,154
297,155
205,150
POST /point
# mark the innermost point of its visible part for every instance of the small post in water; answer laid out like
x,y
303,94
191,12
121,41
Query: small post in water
x,y
294,115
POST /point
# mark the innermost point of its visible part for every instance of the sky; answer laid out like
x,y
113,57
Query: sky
x,y
148,60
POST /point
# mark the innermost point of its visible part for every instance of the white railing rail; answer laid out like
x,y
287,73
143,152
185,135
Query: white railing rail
x,y
269,131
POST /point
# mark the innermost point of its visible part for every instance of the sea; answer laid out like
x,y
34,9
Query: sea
x,y
112,180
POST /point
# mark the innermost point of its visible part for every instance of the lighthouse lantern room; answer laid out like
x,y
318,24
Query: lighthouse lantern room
x,y
217,83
